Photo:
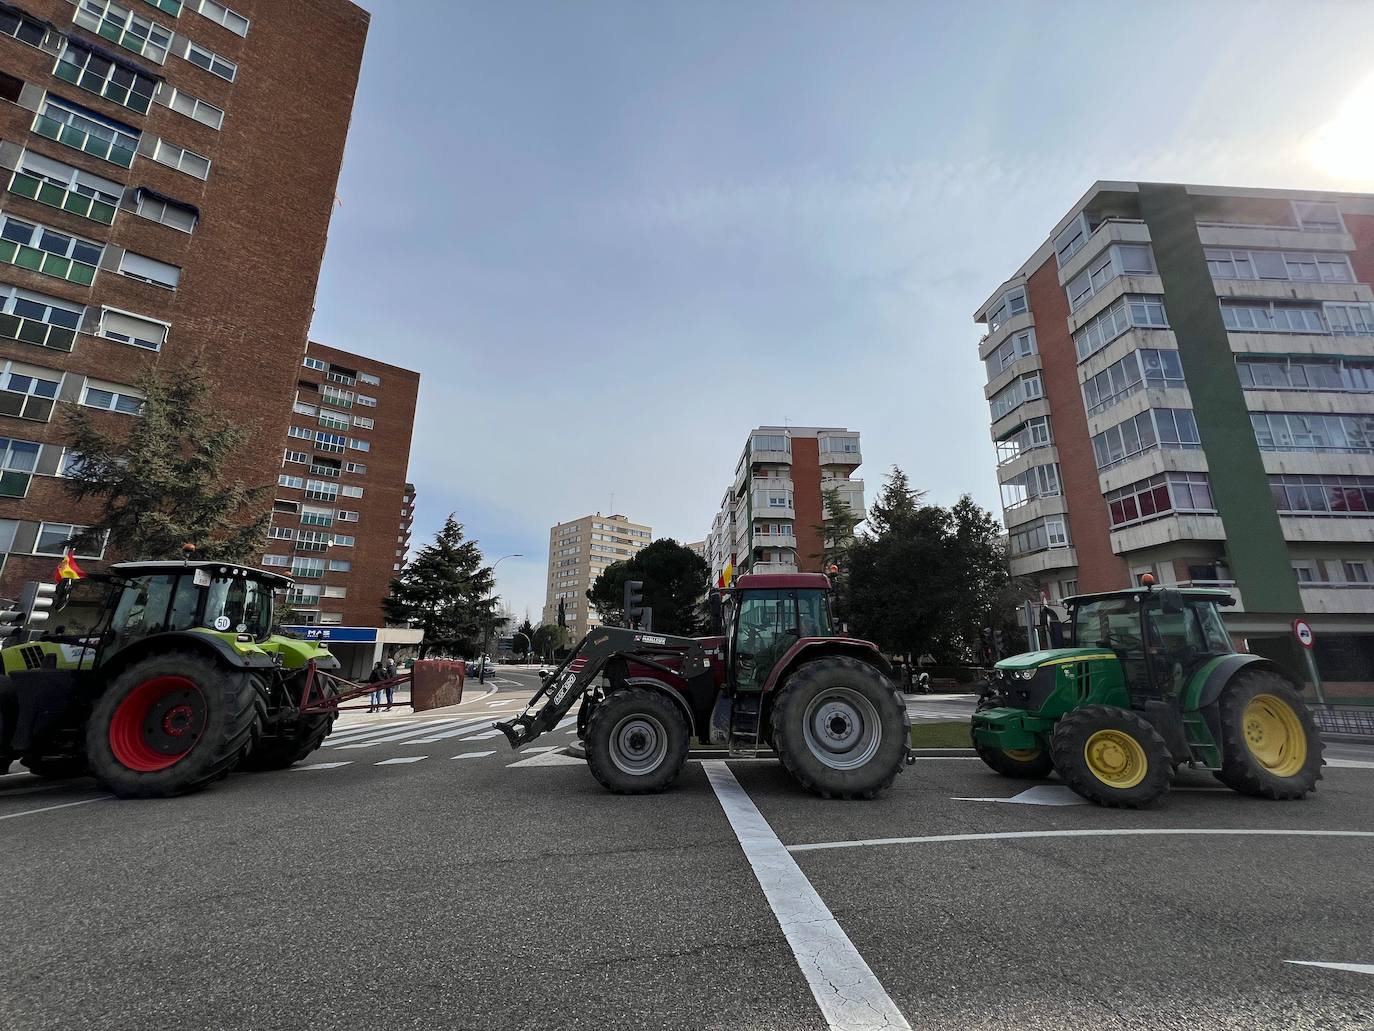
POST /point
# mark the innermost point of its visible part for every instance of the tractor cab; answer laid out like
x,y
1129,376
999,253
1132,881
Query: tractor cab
x,y
765,616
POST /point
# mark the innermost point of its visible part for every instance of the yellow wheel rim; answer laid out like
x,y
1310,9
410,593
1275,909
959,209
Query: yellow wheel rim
x,y
1116,759
1274,735
1021,755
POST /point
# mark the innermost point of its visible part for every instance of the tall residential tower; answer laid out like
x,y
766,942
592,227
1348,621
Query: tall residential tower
x,y
579,552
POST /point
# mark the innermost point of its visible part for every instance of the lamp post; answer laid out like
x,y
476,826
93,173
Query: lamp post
x,y
486,627
528,640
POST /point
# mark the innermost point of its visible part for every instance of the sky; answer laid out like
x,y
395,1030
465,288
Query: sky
x,y
613,237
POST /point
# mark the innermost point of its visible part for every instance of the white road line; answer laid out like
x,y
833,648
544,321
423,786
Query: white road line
x,y
466,728
352,737
1354,968
553,758
413,732
492,705
323,766
849,996
933,839
483,737
401,760
1352,764
50,808
472,755
566,721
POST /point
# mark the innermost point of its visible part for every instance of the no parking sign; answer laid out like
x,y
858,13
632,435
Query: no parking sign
x,y
1303,632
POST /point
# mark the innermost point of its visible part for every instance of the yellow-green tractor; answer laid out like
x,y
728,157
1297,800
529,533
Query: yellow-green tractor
x,y
159,678
1151,682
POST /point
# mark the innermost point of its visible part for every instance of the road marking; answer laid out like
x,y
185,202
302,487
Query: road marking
x,y
540,748
483,737
412,732
323,766
933,839
849,996
1354,968
1352,764
455,732
1041,794
492,705
472,755
50,808
400,760
555,758
370,733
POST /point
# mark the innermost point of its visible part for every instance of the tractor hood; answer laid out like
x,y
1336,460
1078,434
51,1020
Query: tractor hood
x,y
1051,657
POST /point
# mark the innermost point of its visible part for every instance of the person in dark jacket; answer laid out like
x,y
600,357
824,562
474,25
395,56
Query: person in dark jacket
x,y
377,675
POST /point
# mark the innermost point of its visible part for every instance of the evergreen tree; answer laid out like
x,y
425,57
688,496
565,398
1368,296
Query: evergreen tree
x,y
160,478
675,580
445,591
523,639
896,503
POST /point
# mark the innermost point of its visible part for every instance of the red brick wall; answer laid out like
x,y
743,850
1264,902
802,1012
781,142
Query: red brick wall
x,y
806,486
1099,568
249,272
1361,227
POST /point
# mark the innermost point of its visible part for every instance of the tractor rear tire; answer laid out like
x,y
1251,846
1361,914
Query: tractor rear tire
x,y
56,767
637,741
170,724
1111,756
278,751
839,729
1270,745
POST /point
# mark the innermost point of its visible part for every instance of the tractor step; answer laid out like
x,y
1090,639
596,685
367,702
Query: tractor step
x,y
743,741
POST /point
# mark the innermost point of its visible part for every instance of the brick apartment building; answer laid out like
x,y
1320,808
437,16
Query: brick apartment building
x,y
769,514
341,518
1181,382
168,170
579,552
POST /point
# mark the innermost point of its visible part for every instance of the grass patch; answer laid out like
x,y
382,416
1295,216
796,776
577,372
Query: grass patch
x,y
941,735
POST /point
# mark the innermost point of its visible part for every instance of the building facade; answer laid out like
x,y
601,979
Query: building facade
x,y
341,485
769,515
1181,382
579,552
403,532
157,207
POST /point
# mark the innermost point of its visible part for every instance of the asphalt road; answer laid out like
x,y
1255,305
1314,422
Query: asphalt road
x,y
415,873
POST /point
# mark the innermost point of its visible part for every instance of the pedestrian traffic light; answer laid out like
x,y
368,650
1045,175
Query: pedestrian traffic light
x,y
634,604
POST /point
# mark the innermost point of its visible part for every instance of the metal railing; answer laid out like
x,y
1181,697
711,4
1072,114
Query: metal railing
x,y
1347,720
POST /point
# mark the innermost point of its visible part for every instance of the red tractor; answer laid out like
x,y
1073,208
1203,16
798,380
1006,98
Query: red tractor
x,y
778,676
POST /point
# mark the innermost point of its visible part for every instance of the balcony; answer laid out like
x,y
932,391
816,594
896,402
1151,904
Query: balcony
x,y
47,263
1173,527
1108,232
1044,561
777,509
995,338
772,567
1337,598
54,196
1288,290
324,470
840,451
775,540
80,139
40,334
1243,236
1349,529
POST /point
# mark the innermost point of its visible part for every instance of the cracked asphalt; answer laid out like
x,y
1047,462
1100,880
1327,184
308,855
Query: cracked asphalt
x,y
443,894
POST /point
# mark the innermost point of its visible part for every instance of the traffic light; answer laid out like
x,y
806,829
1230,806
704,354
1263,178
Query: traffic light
x,y
36,601
637,617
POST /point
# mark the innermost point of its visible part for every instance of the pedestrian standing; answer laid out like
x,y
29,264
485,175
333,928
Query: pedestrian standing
x,y
390,670
377,675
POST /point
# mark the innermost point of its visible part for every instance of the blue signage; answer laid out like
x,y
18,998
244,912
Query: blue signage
x,y
336,634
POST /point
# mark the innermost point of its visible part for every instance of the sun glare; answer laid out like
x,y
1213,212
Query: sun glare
x,y
1344,146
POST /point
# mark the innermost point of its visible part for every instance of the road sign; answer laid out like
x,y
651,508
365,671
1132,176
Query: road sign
x,y
1303,633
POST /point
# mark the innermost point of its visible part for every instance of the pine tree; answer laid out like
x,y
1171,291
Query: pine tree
x,y
836,529
160,481
444,591
897,503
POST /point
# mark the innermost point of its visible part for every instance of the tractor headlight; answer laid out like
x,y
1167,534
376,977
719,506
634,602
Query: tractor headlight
x,y
1027,674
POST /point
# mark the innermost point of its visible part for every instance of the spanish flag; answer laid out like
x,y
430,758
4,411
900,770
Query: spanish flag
x,y
727,573
67,569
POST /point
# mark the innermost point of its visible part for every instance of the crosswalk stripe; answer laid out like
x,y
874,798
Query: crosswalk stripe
x,y
483,737
411,732
360,733
323,766
472,755
454,732
401,759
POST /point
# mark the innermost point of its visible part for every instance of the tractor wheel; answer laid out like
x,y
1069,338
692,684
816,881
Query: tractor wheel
x,y
1026,763
1111,756
839,728
1270,745
56,767
169,724
636,741
307,733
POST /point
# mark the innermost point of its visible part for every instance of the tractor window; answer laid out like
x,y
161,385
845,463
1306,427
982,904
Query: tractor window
x,y
142,608
80,610
767,627
1109,623
184,605
239,606
813,614
1215,639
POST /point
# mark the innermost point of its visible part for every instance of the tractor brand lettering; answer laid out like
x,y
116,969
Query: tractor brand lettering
x,y
653,640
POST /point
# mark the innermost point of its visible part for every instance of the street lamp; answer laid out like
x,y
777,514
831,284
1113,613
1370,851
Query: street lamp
x,y
486,627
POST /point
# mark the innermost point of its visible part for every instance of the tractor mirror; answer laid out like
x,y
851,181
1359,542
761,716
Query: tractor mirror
x,y
1171,602
717,612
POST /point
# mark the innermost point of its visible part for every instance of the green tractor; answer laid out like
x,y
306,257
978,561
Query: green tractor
x,y
159,678
1150,683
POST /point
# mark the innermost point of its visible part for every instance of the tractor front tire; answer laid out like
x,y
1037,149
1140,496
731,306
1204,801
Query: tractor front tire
x,y
1270,745
1024,763
280,750
1111,756
839,729
170,724
637,741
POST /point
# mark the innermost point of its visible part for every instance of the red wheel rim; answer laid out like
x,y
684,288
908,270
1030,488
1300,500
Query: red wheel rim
x,y
157,724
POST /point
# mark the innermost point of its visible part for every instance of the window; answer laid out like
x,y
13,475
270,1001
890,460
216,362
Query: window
x,y
87,131
338,398
311,540
282,533
312,516
344,540
332,442
111,397
38,319
1304,431
18,459
181,159
1014,348
1356,572
217,12
274,560
1139,369
828,446
307,568
28,391
1159,496
1341,375
289,507
1325,494
1295,266
25,29
1071,240
1117,260
319,490
1169,428
355,467
1022,389
294,482
331,618
1318,216
168,212
183,103
1039,535
369,379
345,376
345,516
56,539
118,82
340,565
133,32
303,432
359,445
367,402
210,61
1040,481
352,492
315,363
362,423
1034,433
333,422
1350,319
1261,317
1011,304
1141,310
137,330
159,273
60,185
332,591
